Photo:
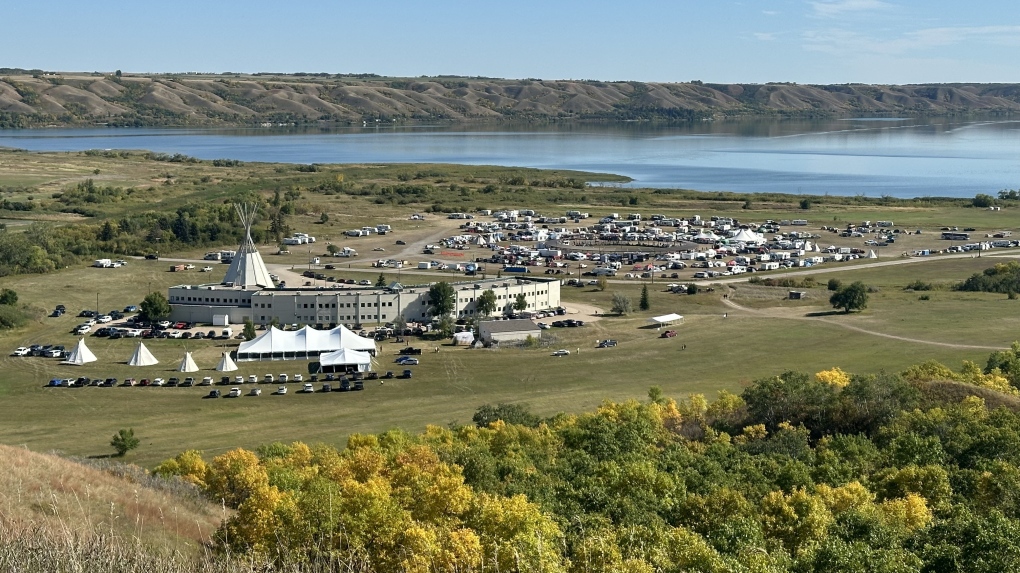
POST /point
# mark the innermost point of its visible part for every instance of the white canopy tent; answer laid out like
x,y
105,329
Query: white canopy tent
x,y
746,236
666,319
142,357
80,355
463,338
345,359
188,364
226,364
304,344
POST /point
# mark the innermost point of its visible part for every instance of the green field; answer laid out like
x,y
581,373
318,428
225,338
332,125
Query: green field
x,y
762,333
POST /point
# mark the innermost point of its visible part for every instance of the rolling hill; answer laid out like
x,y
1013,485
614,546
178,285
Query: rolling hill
x,y
39,99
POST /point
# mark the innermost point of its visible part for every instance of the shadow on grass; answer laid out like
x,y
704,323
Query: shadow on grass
x,y
826,313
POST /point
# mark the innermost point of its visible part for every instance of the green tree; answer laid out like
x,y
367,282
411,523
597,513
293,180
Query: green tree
x,y
8,297
155,306
324,218
851,297
621,304
446,324
983,201
107,232
602,282
381,281
332,249
249,329
486,303
643,303
124,441
509,413
834,284
442,299
805,204
521,302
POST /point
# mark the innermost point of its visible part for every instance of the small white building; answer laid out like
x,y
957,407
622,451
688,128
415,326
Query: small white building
x,y
496,331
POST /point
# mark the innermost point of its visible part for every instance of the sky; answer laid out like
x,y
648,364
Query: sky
x,y
718,41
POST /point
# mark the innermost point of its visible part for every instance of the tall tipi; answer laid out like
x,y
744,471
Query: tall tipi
x,y
188,364
226,364
247,269
80,355
142,357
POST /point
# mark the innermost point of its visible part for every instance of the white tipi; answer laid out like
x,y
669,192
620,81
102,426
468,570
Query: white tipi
x,y
226,364
80,355
247,269
188,364
142,357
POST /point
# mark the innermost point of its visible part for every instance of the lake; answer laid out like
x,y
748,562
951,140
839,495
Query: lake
x,y
899,157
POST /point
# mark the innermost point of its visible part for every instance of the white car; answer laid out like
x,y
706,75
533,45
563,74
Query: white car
x,y
164,324
561,352
283,378
21,351
307,388
189,266
281,390
255,392
206,269
82,329
298,378
234,393
365,282
543,325
252,379
104,319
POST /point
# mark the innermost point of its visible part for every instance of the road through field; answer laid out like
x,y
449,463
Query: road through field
x,y
799,314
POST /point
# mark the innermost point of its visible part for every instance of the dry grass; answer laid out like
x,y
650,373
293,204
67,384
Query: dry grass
x,y
63,499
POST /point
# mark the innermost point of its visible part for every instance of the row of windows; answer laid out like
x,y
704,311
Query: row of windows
x,y
211,300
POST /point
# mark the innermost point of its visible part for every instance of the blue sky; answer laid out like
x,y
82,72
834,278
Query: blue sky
x,y
804,41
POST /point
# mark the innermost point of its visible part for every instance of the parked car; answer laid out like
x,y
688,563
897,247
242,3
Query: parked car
x,y
307,388
407,361
21,351
669,334
104,319
152,257
281,390
561,352
206,269
158,382
235,392
406,374
214,393
188,382
410,350
299,378
255,392
284,378
607,343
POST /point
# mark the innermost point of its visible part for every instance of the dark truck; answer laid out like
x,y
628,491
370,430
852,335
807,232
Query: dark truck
x,y
410,351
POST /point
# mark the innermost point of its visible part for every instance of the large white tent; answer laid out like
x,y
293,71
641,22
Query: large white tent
x,y
142,357
303,344
666,319
188,364
80,355
226,364
344,359
746,236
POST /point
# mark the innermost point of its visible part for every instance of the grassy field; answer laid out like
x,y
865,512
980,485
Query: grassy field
x,y
771,335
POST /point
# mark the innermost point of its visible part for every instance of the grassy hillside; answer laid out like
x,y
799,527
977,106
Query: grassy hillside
x,y
42,98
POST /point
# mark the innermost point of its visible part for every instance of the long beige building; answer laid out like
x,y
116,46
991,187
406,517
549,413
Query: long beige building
x,y
219,303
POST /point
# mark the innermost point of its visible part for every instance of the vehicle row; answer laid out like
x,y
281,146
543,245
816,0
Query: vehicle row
x,y
344,385
356,378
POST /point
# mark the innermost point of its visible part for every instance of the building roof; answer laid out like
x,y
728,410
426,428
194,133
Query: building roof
x,y
515,325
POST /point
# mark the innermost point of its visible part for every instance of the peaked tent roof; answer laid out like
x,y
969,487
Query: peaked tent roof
x,y
226,364
345,356
142,356
305,341
872,255
188,364
247,269
746,236
80,355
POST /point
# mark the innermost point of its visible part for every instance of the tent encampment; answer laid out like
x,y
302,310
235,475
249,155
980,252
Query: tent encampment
x,y
142,357
80,355
187,364
226,364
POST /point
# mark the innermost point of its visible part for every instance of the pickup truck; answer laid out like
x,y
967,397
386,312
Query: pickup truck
x,y
410,350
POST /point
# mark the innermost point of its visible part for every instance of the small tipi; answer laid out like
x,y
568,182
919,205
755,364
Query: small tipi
x,y
142,357
226,364
872,255
80,355
188,364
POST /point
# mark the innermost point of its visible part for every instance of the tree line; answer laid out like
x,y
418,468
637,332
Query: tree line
x,y
827,472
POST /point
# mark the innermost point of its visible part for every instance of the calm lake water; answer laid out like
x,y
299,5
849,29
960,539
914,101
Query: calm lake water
x,y
868,156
